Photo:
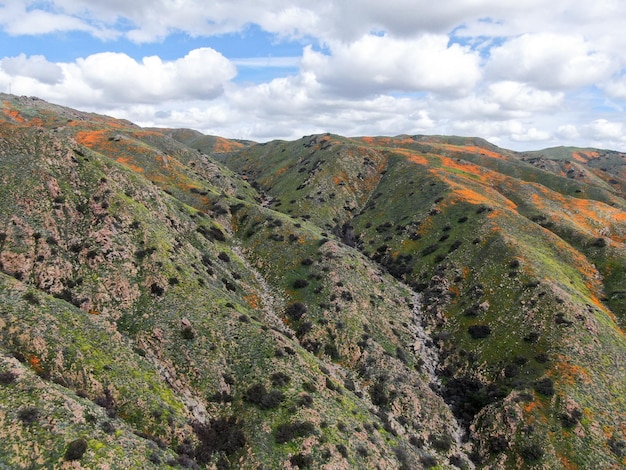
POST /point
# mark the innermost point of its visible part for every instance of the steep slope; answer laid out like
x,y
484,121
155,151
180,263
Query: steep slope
x,y
521,271
154,312
381,302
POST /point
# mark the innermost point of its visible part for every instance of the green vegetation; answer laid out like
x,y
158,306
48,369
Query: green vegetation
x,y
170,299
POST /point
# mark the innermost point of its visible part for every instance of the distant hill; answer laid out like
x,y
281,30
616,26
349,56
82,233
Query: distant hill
x,y
175,300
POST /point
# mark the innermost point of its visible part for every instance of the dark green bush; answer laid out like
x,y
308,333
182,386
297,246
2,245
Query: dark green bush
x,y
258,395
569,420
289,431
218,435
75,449
28,415
7,377
479,331
188,333
532,452
301,460
280,379
300,283
296,310
617,446
545,386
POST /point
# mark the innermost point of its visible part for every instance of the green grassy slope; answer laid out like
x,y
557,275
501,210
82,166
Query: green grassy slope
x,y
520,270
404,302
161,313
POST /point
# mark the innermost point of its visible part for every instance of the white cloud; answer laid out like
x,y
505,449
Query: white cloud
x,y
35,67
200,74
382,64
568,132
30,18
616,88
106,80
549,61
602,129
511,95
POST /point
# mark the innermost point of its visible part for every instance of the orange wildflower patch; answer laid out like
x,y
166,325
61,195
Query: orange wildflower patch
x,y
414,157
126,161
342,177
570,373
567,464
463,167
387,141
253,301
225,145
35,363
471,196
90,138
13,113
472,149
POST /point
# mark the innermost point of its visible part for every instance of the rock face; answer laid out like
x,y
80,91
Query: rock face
x,y
178,300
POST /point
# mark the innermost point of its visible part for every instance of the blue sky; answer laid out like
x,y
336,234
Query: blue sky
x,y
527,74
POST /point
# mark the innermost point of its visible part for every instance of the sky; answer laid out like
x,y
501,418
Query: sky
x,y
523,74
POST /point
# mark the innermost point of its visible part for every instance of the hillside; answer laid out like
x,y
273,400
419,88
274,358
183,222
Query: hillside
x,y
171,299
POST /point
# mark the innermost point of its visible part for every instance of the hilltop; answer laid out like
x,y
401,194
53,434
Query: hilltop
x,y
171,299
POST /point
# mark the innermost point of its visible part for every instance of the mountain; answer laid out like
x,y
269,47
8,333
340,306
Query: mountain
x,y
170,299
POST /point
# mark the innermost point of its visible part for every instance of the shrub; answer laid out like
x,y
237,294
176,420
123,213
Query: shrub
x,y
378,394
300,283
188,333
258,395
599,243
479,331
75,449
343,450
511,370
31,298
219,435
532,452
304,328
157,289
28,415
441,443
569,420
296,310
305,400
545,386
108,427
617,446
280,379
289,431
532,337
224,257
7,377
498,444
429,250
301,460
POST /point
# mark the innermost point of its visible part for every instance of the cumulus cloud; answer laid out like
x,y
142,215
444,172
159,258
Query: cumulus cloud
x,y
602,129
382,64
200,74
35,67
551,61
110,79
510,95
